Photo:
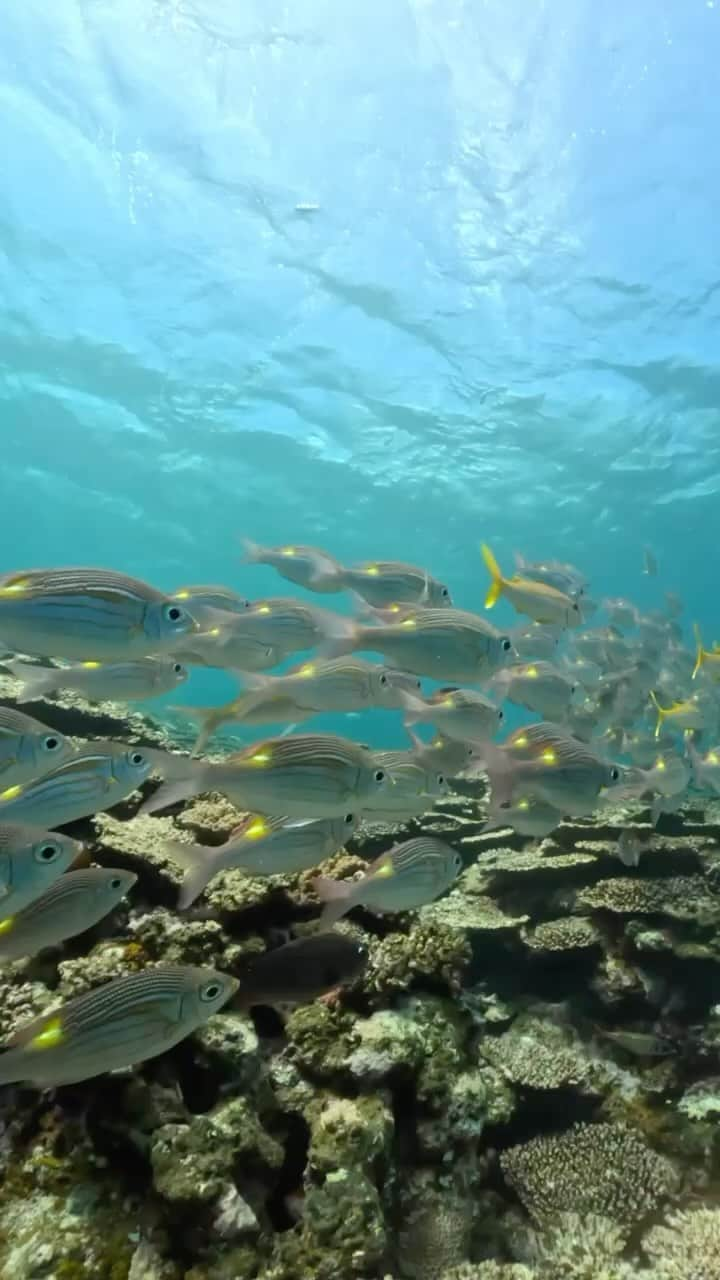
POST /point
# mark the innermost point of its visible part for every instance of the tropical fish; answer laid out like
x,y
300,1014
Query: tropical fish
x,y
383,582
536,600
143,678
323,685
629,848
705,769
73,903
261,847
407,876
622,613
446,757
83,614
302,970
97,777
685,714
650,565
30,860
564,577
668,775
527,815
708,658
282,624
460,713
535,641
211,598
418,782
448,644
119,1024
308,567
546,761
538,686
301,775
28,748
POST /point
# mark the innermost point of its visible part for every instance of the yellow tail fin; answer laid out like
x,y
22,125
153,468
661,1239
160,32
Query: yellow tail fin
x,y
493,568
700,651
662,712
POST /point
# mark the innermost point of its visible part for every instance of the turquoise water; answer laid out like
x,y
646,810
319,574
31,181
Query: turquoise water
x,y
389,278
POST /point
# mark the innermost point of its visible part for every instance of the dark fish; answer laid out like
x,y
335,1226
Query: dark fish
x,y
74,903
301,970
125,1021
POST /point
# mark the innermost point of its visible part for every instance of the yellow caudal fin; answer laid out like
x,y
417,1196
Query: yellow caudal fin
x,y
493,568
700,658
662,712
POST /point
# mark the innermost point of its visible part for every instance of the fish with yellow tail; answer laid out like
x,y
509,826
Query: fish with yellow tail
x,y
685,714
121,1023
537,600
406,877
707,658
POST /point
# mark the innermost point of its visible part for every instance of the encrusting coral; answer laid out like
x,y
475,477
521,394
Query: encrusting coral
x,y
354,1137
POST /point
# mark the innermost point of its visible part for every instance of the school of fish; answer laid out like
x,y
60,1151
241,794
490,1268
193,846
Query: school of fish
x,y
616,711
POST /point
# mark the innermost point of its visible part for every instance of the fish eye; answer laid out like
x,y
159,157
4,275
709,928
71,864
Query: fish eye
x,y
506,645
383,679
178,668
116,883
444,593
210,991
501,715
614,774
441,780
576,607
379,775
51,743
349,819
173,613
47,853
137,758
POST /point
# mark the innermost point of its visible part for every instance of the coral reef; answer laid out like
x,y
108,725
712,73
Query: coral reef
x,y
521,1081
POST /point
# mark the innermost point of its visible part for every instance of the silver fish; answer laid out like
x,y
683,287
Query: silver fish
x,y
261,847
89,614
448,644
705,769
538,686
622,613
629,848
211,597
322,685
301,775
383,582
564,577
535,641
30,861
143,678
98,777
463,714
283,624
72,904
28,748
123,1022
546,761
417,784
306,566
668,775
527,815
407,876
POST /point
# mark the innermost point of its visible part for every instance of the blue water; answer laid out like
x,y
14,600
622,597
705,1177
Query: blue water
x,y
386,276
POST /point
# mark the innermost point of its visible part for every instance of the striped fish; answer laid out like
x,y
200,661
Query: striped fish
x,y
143,678
323,685
74,903
303,775
85,614
463,714
406,877
308,567
30,861
28,748
286,625
261,847
383,582
448,644
125,1021
546,761
212,597
98,777
417,784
